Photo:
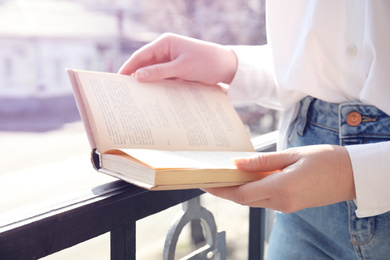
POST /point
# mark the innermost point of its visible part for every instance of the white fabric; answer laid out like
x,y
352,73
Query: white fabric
x,y
337,51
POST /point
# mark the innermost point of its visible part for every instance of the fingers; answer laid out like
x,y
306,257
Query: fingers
x,y
258,192
161,59
158,71
141,58
157,51
173,56
262,193
265,193
238,194
253,194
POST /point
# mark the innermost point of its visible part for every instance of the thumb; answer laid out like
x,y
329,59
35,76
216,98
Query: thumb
x,y
264,162
157,72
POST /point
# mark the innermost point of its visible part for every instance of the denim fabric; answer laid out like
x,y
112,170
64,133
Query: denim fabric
x,y
334,231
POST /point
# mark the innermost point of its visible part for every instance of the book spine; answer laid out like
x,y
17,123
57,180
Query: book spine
x,y
96,159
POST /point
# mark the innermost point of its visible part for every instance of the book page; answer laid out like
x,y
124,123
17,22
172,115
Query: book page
x,y
82,109
158,159
164,115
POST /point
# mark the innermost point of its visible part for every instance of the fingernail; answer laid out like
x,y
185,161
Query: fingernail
x,y
240,161
142,74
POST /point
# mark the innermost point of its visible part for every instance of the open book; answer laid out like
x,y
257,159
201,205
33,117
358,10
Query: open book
x,y
163,135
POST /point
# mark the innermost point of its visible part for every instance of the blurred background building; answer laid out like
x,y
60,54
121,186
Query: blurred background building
x,y
39,39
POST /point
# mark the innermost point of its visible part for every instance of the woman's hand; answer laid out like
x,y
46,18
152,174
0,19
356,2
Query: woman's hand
x,y
310,176
174,56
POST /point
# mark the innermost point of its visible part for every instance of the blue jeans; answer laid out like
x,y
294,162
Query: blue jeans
x,y
334,231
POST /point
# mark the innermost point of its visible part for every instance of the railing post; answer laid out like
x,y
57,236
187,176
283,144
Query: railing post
x,y
256,233
257,216
123,242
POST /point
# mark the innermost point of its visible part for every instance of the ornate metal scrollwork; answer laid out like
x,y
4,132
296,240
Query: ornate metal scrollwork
x,y
215,247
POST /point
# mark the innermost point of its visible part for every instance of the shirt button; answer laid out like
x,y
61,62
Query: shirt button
x,y
352,50
354,118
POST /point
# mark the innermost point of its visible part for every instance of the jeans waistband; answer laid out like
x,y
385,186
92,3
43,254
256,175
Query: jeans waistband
x,y
352,119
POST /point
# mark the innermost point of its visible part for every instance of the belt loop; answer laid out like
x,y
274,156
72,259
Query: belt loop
x,y
302,116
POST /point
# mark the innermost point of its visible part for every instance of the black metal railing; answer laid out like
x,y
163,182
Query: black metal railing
x,y
35,234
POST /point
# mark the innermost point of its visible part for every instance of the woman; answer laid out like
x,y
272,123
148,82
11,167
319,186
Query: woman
x,y
326,65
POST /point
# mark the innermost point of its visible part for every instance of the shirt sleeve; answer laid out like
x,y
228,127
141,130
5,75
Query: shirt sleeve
x,y
371,169
254,80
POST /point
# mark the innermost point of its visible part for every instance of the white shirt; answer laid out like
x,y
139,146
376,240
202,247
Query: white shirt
x,y
334,50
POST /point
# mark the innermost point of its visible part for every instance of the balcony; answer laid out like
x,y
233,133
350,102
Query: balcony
x,y
114,207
